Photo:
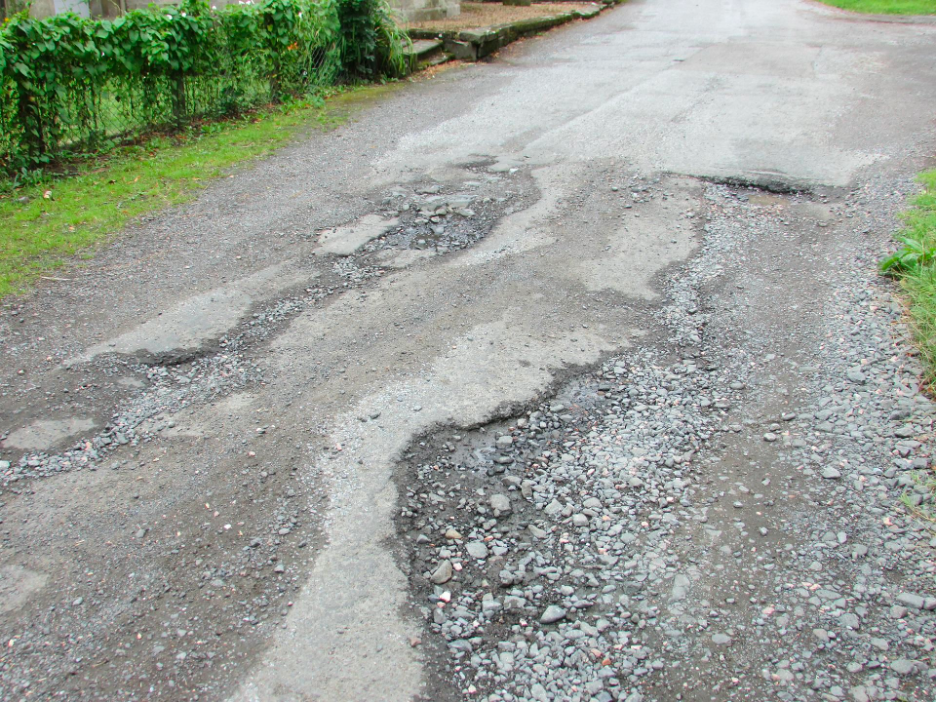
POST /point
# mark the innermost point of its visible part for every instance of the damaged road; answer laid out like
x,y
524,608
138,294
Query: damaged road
x,y
566,376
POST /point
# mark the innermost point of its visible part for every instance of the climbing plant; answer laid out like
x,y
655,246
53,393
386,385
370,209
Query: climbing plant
x,y
69,83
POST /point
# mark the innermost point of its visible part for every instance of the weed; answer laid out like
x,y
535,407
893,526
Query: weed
x,y
914,265
920,497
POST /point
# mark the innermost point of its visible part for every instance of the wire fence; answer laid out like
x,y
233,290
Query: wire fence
x,y
71,85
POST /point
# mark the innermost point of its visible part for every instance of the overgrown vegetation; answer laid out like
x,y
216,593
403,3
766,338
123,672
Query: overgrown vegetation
x,y
915,266
69,84
887,7
44,223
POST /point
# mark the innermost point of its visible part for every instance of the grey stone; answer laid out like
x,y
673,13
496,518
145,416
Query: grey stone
x,y
911,600
903,666
500,503
553,613
443,573
477,549
553,508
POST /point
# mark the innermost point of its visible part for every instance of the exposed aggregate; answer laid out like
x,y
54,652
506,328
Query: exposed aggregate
x,y
682,527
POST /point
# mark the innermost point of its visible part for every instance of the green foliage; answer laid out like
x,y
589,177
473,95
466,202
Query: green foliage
x,y
68,83
910,257
915,266
918,235
371,42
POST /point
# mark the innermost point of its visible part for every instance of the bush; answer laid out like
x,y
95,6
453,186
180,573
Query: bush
x,y
68,83
371,42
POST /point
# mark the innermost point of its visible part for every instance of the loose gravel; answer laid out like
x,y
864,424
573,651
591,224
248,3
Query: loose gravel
x,y
741,518
179,560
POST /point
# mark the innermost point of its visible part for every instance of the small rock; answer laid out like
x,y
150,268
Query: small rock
x,y
902,666
500,504
477,549
850,620
830,473
911,600
553,613
855,375
553,508
443,573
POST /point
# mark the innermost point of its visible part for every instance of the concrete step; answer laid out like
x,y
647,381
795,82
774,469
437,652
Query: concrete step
x,y
422,48
425,53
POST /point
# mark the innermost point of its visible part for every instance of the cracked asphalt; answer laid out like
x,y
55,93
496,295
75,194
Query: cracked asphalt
x,y
562,376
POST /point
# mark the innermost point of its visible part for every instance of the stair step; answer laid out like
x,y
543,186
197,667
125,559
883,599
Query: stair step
x,y
423,47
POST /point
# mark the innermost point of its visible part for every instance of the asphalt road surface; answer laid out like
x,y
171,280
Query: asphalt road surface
x,y
561,376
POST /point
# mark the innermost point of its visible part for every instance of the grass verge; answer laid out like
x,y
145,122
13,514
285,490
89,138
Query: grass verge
x,y
914,265
886,7
45,224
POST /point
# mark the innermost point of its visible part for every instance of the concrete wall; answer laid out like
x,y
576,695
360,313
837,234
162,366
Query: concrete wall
x,y
407,10
419,10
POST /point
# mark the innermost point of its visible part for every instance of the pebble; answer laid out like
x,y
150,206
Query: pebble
x,y
553,613
500,503
476,549
911,600
443,573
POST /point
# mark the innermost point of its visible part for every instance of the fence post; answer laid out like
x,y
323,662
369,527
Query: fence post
x,y
30,117
179,106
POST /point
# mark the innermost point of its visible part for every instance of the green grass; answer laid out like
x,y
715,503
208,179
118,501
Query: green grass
x,y
45,225
915,266
887,7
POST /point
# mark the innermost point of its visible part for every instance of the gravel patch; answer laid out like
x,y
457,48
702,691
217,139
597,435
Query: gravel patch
x,y
724,520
